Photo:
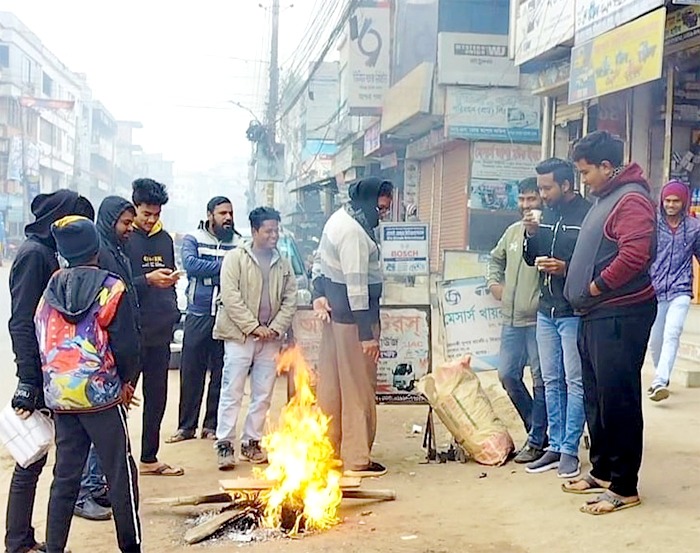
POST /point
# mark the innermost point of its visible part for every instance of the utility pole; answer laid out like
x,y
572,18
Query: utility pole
x,y
273,93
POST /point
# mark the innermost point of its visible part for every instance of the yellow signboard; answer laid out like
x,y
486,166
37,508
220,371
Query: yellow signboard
x,y
622,58
682,25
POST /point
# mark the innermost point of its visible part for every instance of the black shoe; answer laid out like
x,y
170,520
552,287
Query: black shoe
x,y
528,454
90,510
373,470
102,499
225,456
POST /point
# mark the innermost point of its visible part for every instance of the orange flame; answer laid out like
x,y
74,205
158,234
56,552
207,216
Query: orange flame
x,y
301,458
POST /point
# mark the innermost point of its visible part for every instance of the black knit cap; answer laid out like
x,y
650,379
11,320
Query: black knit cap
x,y
76,239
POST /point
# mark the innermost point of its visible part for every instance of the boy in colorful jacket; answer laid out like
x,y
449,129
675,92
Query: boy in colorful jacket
x,y
677,240
89,359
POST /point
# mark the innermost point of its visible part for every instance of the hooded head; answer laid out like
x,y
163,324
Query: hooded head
x,y
675,197
49,208
370,199
76,240
115,220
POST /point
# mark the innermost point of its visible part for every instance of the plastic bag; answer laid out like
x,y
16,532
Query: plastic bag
x,y
455,393
26,440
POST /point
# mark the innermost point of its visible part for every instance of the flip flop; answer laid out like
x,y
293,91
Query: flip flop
x,y
593,486
616,502
163,470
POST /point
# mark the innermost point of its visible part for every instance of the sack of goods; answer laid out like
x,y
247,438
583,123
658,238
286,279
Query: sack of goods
x,y
27,440
455,393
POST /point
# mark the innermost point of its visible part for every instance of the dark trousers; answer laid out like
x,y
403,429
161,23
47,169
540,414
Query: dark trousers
x,y
109,432
155,359
200,353
19,533
612,354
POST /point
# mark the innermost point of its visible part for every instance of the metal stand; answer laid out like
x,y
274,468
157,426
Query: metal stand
x,y
429,441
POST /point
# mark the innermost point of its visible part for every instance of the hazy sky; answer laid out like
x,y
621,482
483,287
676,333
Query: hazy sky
x,y
172,65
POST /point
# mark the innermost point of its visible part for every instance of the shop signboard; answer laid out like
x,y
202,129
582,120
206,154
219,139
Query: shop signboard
x,y
411,178
625,57
497,114
682,25
595,17
497,168
373,139
540,26
405,249
472,321
475,59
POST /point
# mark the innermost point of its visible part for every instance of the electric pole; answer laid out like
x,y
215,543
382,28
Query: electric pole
x,y
273,94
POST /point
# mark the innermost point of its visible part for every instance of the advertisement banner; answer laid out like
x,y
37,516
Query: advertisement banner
x,y
471,317
628,56
475,59
369,59
405,249
682,25
373,139
541,25
499,114
595,17
496,171
405,345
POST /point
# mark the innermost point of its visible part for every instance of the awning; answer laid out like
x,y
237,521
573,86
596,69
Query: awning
x,y
317,185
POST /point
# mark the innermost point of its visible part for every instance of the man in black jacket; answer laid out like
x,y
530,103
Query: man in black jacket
x,y
150,250
32,268
549,245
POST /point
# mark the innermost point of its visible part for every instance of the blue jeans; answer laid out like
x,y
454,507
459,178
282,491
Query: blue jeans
x,y
563,381
518,348
666,336
93,482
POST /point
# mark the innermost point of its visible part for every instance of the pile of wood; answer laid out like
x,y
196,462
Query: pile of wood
x,y
241,506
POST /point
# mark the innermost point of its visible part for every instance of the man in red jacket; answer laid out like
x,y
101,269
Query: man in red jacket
x,y
609,284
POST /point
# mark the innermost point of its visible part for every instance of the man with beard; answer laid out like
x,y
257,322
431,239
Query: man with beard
x,y
203,253
516,284
347,290
549,245
31,271
115,219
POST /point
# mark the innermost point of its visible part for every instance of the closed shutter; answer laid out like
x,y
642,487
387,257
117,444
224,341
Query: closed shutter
x,y
454,212
565,112
429,203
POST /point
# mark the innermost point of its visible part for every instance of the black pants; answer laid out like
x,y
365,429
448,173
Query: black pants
x,y
109,432
19,533
200,353
612,354
155,359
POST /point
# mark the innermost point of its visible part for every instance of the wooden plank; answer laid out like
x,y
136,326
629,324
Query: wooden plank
x,y
377,495
204,530
190,500
253,484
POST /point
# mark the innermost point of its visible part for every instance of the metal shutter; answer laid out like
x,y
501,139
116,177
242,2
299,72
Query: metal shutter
x,y
453,200
565,112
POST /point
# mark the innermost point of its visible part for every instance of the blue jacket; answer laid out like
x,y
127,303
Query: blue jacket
x,y
672,272
202,256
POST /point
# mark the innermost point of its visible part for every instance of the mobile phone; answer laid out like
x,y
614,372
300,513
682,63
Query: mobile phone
x,y
177,274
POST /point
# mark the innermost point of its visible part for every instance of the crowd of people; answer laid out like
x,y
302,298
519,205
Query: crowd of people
x,y
585,288
93,311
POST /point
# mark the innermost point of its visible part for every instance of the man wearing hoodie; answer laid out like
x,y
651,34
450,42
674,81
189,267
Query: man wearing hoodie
x,y
549,244
678,240
609,284
150,250
203,253
258,301
347,289
89,348
32,268
517,285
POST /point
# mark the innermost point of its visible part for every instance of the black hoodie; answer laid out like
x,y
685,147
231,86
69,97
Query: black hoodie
x,y
32,268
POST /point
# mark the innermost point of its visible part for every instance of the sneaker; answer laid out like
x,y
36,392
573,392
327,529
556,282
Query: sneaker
x,y
102,499
373,470
225,456
90,510
180,436
253,452
208,434
548,461
659,393
528,454
569,466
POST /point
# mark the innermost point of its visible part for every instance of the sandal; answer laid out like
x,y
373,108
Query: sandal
x,y
593,486
608,497
163,470
180,436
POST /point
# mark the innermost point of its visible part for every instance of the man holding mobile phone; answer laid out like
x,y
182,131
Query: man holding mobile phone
x,y
150,250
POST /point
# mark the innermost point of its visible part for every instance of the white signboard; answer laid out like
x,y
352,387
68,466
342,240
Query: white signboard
x,y
497,114
369,59
472,321
595,17
475,59
411,178
541,25
405,249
